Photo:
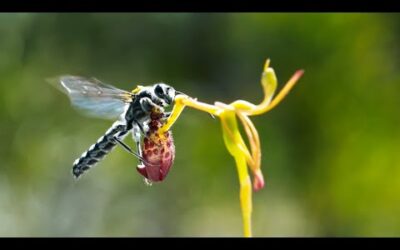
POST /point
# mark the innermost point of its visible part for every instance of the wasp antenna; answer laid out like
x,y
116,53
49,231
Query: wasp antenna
x,y
180,93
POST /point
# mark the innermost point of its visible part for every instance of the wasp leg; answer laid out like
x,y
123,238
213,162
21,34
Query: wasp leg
x,y
165,116
127,148
148,106
139,125
137,138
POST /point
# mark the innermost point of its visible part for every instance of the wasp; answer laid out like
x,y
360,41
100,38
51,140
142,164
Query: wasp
x,y
140,112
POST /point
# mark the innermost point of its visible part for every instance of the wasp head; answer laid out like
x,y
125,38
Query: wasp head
x,y
164,92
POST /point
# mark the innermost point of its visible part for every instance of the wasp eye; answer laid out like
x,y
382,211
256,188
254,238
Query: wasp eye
x,y
159,91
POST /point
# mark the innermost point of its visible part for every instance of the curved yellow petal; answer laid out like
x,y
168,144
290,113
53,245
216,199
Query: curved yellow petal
x,y
231,138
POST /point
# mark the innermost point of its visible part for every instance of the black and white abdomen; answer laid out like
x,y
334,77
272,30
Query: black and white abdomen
x,y
101,148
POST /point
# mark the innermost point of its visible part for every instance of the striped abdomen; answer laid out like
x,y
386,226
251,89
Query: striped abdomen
x,y
101,148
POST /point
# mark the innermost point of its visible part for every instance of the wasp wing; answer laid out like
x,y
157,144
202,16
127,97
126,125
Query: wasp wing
x,y
94,98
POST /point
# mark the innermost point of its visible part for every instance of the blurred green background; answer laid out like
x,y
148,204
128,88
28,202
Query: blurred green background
x,y
331,149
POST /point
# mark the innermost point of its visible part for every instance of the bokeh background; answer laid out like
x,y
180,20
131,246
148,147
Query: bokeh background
x,y
331,149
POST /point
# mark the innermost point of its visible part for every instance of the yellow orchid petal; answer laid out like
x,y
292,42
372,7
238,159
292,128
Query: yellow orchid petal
x,y
288,86
175,113
269,84
254,140
180,102
243,106
230,135
193,103
233,139
233,132
252,135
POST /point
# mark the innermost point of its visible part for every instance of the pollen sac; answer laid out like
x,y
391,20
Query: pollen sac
x,y
158,153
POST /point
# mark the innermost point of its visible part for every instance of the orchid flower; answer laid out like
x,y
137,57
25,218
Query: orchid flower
x,y
234,142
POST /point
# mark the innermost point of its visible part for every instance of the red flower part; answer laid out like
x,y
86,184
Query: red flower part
x,y
158,153
258,180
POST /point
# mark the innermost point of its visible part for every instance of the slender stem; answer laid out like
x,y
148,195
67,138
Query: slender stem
x,y
245,194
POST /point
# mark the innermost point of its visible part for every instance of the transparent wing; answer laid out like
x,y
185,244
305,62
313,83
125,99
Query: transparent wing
x,y
94,98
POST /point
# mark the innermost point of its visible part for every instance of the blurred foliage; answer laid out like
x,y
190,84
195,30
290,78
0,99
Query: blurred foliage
x,y
330,150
